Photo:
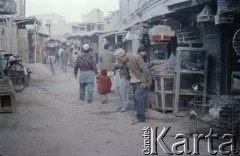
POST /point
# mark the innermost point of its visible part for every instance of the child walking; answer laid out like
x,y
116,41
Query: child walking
x,y
104,85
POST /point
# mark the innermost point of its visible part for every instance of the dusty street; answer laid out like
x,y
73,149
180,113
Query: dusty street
x,y
51,121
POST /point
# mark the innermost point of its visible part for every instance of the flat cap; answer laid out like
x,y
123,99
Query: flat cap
x,y
119,53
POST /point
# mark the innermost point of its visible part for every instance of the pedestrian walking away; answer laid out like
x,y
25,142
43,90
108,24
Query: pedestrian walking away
x,y
85,62
64,57
75,56
140,79
60,57
106,61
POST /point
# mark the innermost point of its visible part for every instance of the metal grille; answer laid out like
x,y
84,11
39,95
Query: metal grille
x,y
186,36
221,113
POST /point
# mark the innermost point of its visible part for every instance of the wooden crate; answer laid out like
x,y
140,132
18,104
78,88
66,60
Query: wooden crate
x,y
164,91
7,97
7,102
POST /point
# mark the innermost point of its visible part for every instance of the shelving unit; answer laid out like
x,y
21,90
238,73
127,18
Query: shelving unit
x,y
164,78
190,70
164,90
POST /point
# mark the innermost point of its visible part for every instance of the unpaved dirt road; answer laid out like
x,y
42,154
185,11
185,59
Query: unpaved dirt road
x,y
51,121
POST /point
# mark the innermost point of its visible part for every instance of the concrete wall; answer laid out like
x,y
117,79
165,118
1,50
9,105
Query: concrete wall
x,y
20,9
50,19
112,23
60,29
135,11
8,36
23,49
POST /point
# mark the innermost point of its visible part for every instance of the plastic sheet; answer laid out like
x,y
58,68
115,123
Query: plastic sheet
x,y
228,6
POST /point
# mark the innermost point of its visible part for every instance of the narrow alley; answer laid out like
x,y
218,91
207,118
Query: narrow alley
x,y
51,121
163,77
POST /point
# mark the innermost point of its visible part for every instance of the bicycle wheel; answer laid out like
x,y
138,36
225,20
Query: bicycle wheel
x,y
236,42
17,76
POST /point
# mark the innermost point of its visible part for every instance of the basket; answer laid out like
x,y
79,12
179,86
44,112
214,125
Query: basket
x,y
221,113
162,68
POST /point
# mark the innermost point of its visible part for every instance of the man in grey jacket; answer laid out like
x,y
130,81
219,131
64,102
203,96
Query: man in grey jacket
x,y
106,61
140,79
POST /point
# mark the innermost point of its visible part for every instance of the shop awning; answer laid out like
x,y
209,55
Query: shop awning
x,y
84,34
26,21
113,33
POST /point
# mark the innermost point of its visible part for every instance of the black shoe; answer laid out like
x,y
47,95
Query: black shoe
x,y
81,99
89,101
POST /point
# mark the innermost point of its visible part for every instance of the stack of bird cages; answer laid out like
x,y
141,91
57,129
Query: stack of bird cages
x,y
158,67
219,113
190,37
164,87
162,67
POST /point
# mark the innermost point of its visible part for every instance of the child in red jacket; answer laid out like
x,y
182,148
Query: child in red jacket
x,y
104,85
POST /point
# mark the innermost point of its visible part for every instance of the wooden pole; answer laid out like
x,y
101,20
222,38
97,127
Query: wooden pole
x,y
35,42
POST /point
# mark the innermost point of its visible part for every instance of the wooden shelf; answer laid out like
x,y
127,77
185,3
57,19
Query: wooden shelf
x,y
189,92
187,71
166,109
164,92
161,93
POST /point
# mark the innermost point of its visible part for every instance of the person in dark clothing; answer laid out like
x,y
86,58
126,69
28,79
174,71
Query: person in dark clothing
x,y
142,51
86,63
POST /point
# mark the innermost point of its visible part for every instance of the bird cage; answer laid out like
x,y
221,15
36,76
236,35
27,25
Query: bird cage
x,y
216,112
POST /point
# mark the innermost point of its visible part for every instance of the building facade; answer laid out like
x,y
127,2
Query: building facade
x,y
93,16
21,9
217,28
56,25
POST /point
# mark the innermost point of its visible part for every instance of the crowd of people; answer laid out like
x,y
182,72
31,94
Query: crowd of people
x,y
116,70
111,70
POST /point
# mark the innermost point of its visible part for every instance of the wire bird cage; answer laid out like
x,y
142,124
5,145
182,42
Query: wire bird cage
x,y
221,113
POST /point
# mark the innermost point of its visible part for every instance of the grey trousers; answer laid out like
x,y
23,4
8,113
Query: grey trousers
x,y
123,90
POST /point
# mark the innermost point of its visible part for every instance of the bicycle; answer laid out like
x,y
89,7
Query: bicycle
x,y
17,73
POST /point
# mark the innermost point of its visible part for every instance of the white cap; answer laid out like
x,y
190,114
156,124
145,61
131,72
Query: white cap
x,y
119,52
86,47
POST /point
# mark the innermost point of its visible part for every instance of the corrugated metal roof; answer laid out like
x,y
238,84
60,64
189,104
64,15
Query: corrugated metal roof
x,y
26,20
